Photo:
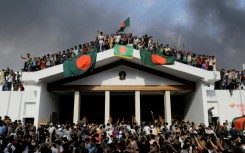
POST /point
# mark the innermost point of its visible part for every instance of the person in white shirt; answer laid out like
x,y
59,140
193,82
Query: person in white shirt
x,y
117,38
9,80
75,50
54,149
51,128
108,132
9,149
167,49
135,42
101,41
67,133
147,130
59,133
214,63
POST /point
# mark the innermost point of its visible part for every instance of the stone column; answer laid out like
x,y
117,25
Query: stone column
x,y
77,104
107,106
137,106
167,108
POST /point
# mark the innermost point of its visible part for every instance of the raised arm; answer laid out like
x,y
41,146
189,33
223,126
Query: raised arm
x,y
22,57
198,143
170,145
219,144
212,144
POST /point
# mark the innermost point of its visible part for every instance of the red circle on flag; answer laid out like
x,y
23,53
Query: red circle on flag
x,y
83,62
156,59
122,50
123,25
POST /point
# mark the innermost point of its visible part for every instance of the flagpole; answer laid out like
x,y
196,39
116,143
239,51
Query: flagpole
x,y
128,33
179,40
129,28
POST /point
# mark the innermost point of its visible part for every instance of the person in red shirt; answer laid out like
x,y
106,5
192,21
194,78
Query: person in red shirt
x,y
199,61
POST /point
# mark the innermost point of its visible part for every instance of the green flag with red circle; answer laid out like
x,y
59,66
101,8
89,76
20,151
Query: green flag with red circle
x,y
151,59
80,64
125,24
123,51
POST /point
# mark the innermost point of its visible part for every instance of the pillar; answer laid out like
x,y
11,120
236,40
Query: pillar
x,y
107,106
77,104
137,106
167,108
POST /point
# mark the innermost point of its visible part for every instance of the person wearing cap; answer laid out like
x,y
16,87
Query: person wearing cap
x,y
59,132
27,59
51,128
67,132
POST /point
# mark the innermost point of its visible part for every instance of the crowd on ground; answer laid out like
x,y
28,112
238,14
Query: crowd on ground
x,y
104,42
157,137
11,80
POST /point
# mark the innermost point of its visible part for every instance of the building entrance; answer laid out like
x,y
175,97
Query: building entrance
x,y
151,106
92,107
122,106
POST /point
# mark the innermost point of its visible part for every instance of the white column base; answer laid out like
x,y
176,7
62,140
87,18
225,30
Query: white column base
x,y
107,106
77,104
137,107
167,108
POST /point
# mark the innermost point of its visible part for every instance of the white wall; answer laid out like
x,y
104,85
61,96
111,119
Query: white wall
x,y
195,105
48,103
13,104
229,106
35,102
134,77
4,102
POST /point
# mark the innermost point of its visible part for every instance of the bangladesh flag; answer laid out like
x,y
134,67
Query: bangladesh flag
x,y
151,59
80,64
125,24
123,51
239,123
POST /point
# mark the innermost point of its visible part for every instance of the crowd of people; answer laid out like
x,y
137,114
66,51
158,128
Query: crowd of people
x,y
157,137
104,42
11,80
231,79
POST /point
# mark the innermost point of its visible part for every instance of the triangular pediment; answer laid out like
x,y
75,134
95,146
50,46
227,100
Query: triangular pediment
x,y
108,75
133,77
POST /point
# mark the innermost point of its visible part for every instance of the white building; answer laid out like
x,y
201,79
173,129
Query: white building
x,y
174,91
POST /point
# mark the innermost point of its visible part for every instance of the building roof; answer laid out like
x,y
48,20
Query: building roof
x,y
180,70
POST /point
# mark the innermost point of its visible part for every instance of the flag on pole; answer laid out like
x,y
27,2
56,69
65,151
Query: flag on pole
x,y
80,64
123,51
125,24
151,59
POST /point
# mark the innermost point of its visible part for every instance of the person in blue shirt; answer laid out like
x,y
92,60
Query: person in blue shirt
x,y
2,128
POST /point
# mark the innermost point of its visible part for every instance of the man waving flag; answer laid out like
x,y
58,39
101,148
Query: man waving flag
x,y
125,24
